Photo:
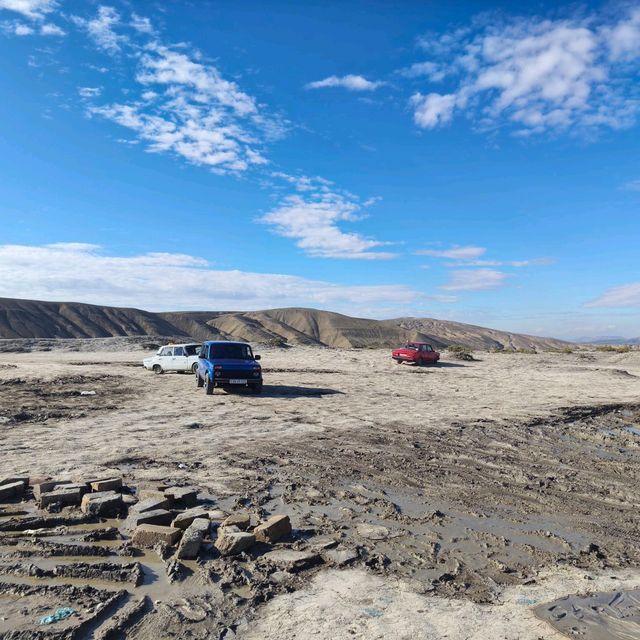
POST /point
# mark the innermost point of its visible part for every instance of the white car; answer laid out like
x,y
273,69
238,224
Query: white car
x,y
174,357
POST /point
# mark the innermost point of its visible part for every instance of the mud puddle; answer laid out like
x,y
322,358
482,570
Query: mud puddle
x,y
613,615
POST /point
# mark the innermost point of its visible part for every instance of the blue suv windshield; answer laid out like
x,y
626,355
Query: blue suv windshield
x,y
231,351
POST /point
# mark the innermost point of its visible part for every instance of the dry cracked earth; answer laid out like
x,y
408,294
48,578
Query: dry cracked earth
x,y
488,499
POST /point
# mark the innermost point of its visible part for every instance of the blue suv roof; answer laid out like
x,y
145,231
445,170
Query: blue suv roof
x,y
224,342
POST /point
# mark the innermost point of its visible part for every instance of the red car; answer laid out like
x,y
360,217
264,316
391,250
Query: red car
x,y
416,352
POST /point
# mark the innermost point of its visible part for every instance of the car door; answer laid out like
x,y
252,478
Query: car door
x,y
429,354
179,360
166,358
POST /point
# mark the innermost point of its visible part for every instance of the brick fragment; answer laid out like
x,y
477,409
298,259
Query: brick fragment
x,y
11,490
230,543
157,516
46,486
184,519
148,535
240,520
109,484
151,504
102,503
66,497
183,496
192,539
274,529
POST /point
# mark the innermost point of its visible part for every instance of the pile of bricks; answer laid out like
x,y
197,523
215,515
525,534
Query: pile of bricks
x,y
166,515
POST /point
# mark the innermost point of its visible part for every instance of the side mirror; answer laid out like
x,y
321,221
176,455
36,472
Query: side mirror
x,y
256,357
201,355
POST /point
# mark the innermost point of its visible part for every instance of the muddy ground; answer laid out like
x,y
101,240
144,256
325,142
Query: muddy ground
x,y
458,499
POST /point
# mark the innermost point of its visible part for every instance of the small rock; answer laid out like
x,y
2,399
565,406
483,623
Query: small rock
x,y
11,490
66,497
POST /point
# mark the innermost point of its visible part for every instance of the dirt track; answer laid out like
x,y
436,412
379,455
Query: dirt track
x,y
478,481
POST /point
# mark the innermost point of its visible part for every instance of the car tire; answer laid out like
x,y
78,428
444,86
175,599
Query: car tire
x,y
157,369
398,361
208,383
199,381
194,367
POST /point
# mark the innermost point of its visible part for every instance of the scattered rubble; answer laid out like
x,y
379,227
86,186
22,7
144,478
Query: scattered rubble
x,y
106,532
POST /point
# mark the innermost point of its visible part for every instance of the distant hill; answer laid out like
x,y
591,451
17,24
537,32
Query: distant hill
x,y
38,319
617,340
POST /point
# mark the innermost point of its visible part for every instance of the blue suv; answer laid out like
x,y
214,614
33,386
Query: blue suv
x,y
228,364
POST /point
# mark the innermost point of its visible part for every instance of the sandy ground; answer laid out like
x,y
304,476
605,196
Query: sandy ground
x,y
472,491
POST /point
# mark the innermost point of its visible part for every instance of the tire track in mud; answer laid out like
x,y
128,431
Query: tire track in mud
x,y
470,507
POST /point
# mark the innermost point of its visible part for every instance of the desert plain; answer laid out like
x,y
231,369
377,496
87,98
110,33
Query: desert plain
x,y
454,501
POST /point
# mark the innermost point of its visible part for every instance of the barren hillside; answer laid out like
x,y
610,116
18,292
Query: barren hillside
x,y
37,319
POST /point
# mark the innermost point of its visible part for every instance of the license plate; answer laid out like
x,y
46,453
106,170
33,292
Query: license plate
x,y
237,381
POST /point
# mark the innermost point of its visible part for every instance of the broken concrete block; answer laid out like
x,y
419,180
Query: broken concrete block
x,y
67,497
110,484
157,516
184,519
183,496
240,520
274,529
11,490
291,560
151,504
148,535
192,539
230,542
46,486
71,485
12,479
156,494
103,503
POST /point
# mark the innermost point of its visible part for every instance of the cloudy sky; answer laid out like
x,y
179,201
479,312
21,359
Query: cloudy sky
x,y
380,159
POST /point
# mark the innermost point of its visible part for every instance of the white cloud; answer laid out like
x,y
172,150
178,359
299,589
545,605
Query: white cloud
x,y
350,82
33,9
633,185
433,109
432,70
188,108
50,29
101,29
141,24
474,280
89,92
313,218
623,38
162,281
536,75
454,253
626,295
23,30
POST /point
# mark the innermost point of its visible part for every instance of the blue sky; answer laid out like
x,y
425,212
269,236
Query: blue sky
x,y
380,159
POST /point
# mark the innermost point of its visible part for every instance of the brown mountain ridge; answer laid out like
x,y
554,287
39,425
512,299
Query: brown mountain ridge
x,y
40,319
